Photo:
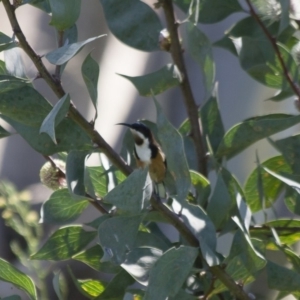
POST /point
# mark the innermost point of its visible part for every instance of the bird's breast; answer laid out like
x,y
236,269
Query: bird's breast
x,y
143,153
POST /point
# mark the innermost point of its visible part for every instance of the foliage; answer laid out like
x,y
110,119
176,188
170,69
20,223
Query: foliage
x,y
18,215
126,240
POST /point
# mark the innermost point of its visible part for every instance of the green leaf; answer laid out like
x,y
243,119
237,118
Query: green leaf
x,y
64,13
61,208
243,262
176,159
152,240
14,297
91,287
161,284
133,23
99,180
92,257
244,134
17,104
117,287
70,36
134,294
6,42
242,246
127,154
189,146
281,278
204,231
190,152
8,83
119,176
293,258
75,167
226,43
212,11
292,199
248,27
232,184
182,295
68,135
14,62
285,15
4,39
117,236
55,116
220,202
155,216
289,179
288,230
133,194
41,4
90,73
271,186
282,95
289,147
87,286
200,49
139,263
3,68
96,222
258,59
64,243
156,82
16,108
68,51
3,132
12,275
211,120
60,285
202,186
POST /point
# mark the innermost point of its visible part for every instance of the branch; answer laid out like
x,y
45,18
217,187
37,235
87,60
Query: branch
x,y
60,41
295,87
226,279
189,101
57,88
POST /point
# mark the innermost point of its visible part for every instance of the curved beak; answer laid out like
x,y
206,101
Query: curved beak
x,y
125,124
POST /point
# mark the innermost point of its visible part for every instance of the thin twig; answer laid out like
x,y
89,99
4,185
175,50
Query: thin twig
x,y
265,229
96,204
60,41
190,103
210,289
295,87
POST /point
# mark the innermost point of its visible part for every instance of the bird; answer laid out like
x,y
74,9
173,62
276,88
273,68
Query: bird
x,y
148,152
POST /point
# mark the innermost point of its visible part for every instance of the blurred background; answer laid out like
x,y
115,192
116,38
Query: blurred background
x,y
240,97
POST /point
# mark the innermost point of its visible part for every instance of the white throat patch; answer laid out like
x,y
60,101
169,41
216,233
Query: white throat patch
x,y
143,151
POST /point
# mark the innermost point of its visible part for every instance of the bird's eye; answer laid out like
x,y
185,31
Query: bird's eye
x,y
138,140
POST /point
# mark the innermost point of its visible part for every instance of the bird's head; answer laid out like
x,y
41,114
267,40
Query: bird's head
x,y
140,132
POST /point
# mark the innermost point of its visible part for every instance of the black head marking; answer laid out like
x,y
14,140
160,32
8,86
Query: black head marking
x,y
143,129
140,127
